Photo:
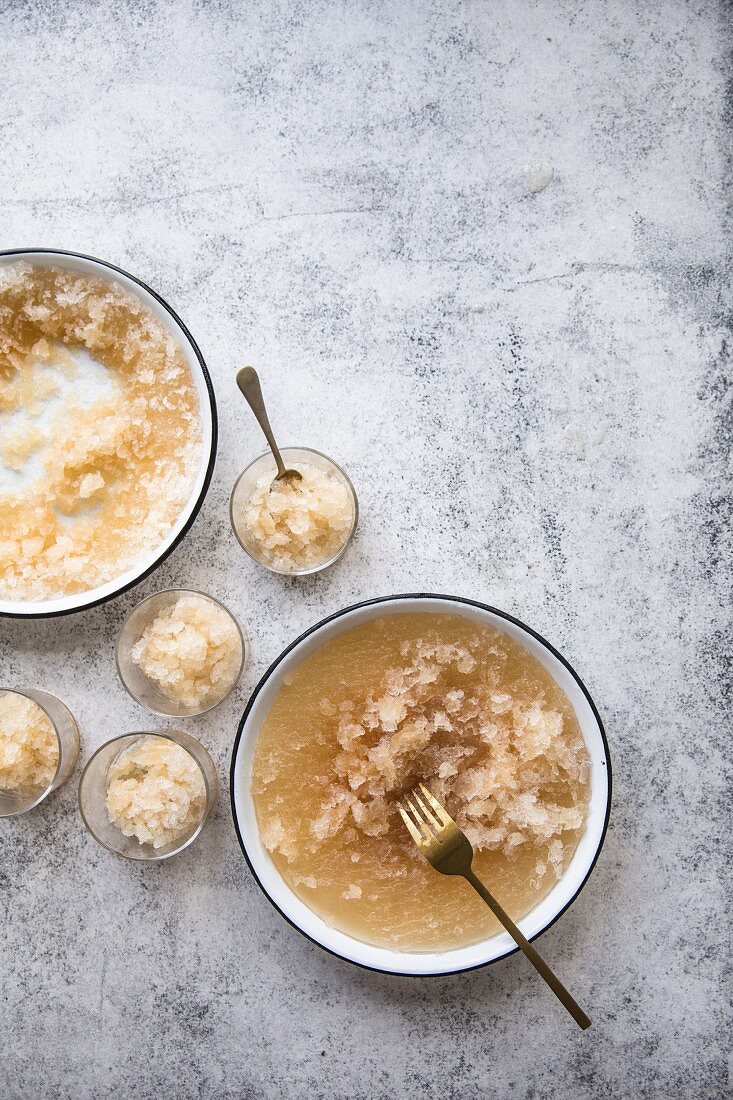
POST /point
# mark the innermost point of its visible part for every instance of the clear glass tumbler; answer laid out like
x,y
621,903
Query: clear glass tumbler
x,y
93,796
144,690
66,733
265,463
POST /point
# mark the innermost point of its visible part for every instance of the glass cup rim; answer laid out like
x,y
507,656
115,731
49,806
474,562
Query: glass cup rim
x,y
210,793
188,592
313,568
49,789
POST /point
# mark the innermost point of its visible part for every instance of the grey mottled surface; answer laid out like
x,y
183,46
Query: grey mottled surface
x,y
531,392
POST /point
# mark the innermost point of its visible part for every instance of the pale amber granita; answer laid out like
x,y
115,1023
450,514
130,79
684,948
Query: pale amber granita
x,y
296,525
192,650
90,482
155,791
422,697
29,748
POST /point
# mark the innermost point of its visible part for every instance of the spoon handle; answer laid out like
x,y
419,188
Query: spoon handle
x,y
249,383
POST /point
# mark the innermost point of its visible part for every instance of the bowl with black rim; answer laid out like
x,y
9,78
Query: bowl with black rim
x,y
148,562
339,943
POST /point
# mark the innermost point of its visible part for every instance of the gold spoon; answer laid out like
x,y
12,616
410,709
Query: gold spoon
x,y
249,383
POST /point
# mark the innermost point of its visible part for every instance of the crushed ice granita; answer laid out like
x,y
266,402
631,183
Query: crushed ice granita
x,y
414,698
94,484
192,650
29,748
155,791
293,525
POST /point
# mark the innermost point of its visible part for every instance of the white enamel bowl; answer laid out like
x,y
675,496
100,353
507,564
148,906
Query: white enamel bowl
x,y
314,927
87,265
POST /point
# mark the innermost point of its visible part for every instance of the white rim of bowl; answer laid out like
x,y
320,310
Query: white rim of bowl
x,y
82,601
475,956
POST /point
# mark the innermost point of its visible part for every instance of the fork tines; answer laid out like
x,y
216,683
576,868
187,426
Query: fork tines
x,y
423,815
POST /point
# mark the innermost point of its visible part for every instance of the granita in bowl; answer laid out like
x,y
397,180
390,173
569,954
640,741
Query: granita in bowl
x,y
408,690
147,796
107,432
290,526
39,747
180,652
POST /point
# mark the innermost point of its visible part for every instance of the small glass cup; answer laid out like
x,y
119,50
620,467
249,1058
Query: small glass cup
x,y
144,690
67,736
93,796
292,457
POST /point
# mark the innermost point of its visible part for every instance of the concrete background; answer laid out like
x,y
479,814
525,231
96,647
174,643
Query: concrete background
x,y
531,393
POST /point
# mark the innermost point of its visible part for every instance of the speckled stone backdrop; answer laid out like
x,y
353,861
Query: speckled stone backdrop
x,y
531,392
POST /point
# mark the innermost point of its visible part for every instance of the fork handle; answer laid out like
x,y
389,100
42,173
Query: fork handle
x,y
534,956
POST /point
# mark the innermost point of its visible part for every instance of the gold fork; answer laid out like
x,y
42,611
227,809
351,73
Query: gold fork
x,y
449,850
